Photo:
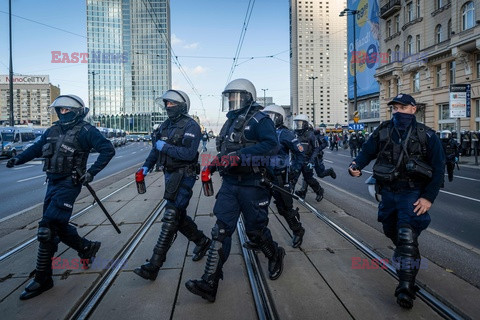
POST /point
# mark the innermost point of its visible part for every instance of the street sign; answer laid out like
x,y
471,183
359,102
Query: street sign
x,y
356,126
356,117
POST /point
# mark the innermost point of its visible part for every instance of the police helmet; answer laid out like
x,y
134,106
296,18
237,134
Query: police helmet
x,y
74,104
276,113
176,103
238,93
300,122
372,190
445,135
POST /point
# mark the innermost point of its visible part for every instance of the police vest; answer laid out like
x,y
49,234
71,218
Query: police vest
x,y
416,147
170,163
450,148
63,153
304,140
232,138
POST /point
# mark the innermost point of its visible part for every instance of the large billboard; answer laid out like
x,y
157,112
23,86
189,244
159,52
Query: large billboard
x,y
365,55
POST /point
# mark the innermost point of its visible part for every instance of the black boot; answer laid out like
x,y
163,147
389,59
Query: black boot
x,y
201,249
88,252
150,269
275,264
301,193
298,237
332,173
250,245
43,273
319,196
407,259
207,286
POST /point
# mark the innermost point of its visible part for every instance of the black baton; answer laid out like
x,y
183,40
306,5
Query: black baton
x,y
89,187
273,186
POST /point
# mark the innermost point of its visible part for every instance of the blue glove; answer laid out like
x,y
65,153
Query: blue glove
x,y
456,159
145,171
159,145
310,165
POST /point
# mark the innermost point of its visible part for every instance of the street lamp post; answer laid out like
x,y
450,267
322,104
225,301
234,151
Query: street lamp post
x,y
10,74
313,97
353,13
264,98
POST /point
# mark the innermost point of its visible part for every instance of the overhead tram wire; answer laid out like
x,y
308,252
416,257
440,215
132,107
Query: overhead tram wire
x,y
246,21
174,56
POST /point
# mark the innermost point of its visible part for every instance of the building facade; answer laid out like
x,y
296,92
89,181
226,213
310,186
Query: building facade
x,y
429,46
32,96
129,61
318,63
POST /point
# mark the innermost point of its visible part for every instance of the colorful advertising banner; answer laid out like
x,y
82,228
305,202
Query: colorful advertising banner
x,y
460,100
365,55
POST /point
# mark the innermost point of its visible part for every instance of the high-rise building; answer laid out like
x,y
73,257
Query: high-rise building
x,y
318,65
129,61
432,49
32,94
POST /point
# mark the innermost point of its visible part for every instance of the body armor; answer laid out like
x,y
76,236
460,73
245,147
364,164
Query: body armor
x,y
169,163
304,139
62,152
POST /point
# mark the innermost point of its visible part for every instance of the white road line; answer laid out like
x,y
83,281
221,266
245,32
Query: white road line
x,y
118,157
459,195
327,161
466,178
31,178
134,152
22,167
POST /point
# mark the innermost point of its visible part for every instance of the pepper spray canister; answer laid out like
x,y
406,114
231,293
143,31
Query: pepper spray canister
x,y
140,180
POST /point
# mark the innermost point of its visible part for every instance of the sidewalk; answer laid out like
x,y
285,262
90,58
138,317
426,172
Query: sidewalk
x,y
469,162
318,281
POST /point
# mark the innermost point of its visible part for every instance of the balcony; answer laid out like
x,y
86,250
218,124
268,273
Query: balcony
x,y
390,8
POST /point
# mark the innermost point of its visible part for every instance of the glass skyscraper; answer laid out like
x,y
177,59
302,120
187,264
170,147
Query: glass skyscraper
x,y
128,61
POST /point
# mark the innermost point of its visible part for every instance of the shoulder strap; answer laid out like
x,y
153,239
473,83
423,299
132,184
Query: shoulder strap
x,y
422,136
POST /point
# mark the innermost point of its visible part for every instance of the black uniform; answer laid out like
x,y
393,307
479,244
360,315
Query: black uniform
x,y
179,158
65,149
311,147
451,149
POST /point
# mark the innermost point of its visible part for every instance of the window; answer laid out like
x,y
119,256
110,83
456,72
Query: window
x,y
409,45
397,86
439,4
418,9
389,88
389,57
416,82
409,12
451,66
478,66
418,42
444,112
438,33
438,76
449,29
397,23
468,16
397,53
389,28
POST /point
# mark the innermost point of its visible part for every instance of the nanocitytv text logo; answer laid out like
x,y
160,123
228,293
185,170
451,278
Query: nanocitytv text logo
x,y
92,57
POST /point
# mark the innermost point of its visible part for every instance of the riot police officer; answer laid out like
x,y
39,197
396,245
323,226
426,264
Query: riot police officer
x,y
65,147
246,138
451,149
312,148
285,173
409,171
353,144
176,145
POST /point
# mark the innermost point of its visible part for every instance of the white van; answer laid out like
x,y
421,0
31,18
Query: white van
x,y
14,140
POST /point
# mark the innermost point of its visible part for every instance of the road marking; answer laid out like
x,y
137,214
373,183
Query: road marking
x,y
466,178
31,178
327,161
134,152
22,167
118,157
459,195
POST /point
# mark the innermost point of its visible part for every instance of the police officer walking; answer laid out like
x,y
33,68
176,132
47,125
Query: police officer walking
x,y
65,147
353,144
285,172
451,149
311,147
176,145
244,140
409,171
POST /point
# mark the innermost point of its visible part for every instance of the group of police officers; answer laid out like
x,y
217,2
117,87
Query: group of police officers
x,y
409,170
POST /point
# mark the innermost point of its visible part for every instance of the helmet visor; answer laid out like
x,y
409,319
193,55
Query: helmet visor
x,y
299,124
445,135
276,118
234,100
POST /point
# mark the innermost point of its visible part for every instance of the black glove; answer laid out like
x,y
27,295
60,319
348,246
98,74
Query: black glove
x,y
86,178
230,160
12,162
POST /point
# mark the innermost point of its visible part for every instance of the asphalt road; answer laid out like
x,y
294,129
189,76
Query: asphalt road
x,y
455,212
24,186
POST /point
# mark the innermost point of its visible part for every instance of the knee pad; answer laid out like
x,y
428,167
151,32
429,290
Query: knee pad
x,y
171,215
407,244
44,234
219,233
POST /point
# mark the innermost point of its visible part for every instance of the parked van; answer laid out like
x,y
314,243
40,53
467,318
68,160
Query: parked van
x,y
15,140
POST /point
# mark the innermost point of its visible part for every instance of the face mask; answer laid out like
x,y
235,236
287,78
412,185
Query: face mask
x,y
66,117
174,113
402,120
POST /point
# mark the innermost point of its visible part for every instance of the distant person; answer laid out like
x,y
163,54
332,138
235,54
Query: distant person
x,y
205,140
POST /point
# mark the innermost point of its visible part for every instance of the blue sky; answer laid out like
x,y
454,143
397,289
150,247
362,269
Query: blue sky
x,y
200,28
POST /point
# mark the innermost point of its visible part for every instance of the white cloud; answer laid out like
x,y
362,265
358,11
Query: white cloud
x,y
199,70
176,40
179,42
191,45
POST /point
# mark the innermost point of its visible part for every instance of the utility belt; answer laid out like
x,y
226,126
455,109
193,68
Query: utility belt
x,y
172,185
400,185
189,170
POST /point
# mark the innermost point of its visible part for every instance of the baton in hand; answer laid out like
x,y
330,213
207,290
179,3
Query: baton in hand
x,y
109,217
273,186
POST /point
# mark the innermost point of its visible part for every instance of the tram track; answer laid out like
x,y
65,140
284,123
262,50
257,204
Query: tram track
x,y
439,304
